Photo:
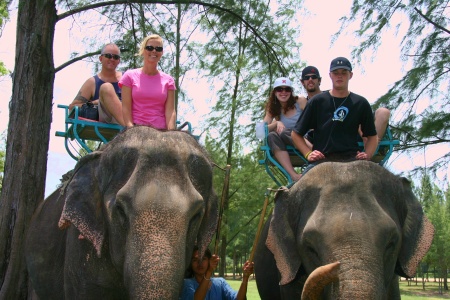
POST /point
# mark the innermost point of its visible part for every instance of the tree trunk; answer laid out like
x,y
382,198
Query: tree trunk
x,y
234,263
445,279
27,140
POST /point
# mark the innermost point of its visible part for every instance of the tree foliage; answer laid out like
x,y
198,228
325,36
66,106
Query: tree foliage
x,y
248,184
421,97
31,103
245,66
4,16
437,208
4,13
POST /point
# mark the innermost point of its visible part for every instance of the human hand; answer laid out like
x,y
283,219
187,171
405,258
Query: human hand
x,y
280,127
362,156
213,262
248,269
315,156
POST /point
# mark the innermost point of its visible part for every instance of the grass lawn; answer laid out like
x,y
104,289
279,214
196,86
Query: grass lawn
x,y
252,291
412,292
415,292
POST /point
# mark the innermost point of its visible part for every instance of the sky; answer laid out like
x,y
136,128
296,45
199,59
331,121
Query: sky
x,y
372,78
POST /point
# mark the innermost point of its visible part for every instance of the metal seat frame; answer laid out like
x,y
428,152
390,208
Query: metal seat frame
x,y
282,178
81,130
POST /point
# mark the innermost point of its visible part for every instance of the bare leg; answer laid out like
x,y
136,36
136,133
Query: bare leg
x,y
110,102
285,161
381,121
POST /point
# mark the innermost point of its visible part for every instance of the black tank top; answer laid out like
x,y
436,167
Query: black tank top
x,y
99,82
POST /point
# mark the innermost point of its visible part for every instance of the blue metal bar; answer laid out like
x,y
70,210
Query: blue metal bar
x,y
82,130
270,161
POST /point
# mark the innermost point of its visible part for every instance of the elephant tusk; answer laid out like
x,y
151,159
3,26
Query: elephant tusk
x,y
318,279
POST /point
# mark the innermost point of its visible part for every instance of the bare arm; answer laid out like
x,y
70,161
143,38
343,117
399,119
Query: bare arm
x,y
171,115
272,124
370,146
126,106
202,289
300,144
302,102
85,93
248,270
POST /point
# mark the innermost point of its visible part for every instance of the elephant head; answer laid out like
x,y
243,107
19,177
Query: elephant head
x,y
358,222
143,200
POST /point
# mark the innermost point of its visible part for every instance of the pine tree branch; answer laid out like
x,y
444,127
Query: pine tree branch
x,y
431,21
78,58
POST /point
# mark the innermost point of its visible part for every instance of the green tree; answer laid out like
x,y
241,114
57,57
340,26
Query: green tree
x,y
4,12
30,118
425,47
437,208
241,62
4,16
248,185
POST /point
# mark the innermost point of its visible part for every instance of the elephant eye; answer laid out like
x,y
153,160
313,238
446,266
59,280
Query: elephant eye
x,y
312,251
121,214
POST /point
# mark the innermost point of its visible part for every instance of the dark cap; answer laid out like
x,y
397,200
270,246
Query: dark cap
x,y
340,63
310,70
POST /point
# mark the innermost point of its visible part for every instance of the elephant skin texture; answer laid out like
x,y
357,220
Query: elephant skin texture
x,y
134,210
355,224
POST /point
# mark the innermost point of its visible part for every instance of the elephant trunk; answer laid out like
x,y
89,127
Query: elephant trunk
x,y
318,279
342,283
155,260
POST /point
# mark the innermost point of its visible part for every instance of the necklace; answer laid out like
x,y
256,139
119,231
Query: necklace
x,y
334,103
339,113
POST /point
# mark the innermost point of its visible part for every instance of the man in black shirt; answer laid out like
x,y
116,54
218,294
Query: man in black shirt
x,y
335,117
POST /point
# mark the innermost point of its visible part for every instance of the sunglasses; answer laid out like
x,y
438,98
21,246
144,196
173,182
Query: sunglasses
x,y
151,48
113,56
307,77
280,89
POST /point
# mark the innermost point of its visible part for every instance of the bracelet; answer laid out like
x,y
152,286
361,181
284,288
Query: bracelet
x,y
307,154
204,277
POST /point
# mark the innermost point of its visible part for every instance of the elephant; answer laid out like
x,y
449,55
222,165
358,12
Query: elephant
x,y
343,231
135,209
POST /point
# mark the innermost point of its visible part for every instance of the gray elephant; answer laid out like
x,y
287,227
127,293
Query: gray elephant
x,y
343,231
137,207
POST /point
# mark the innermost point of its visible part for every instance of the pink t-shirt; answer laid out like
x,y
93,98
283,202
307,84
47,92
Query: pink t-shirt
x,y
149,95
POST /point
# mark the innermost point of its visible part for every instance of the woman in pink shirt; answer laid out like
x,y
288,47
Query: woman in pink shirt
x,y
148,95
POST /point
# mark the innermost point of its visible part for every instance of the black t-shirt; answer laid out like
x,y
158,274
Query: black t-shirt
x,y
336,121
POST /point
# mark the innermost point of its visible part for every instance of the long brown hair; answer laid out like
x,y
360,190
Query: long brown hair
x,y
189,273
273,105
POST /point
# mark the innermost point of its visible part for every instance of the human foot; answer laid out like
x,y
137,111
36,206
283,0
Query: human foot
x,y
296,177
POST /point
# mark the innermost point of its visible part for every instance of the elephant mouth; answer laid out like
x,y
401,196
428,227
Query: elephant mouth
x,y
319,279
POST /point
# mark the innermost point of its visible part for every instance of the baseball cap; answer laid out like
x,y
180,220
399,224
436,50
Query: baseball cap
x,y
310,70
282,81
340,63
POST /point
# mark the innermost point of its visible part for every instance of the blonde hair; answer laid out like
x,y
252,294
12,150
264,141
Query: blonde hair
x,y
144,42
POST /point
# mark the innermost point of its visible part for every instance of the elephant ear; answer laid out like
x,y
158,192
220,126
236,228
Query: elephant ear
x,y
82,206
209,223
281,238
200,173
417,234
210,219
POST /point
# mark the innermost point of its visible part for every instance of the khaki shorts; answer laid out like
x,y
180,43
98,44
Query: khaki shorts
x,y
104,116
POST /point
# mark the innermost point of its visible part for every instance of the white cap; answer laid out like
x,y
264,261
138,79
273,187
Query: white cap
x,y
283,81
